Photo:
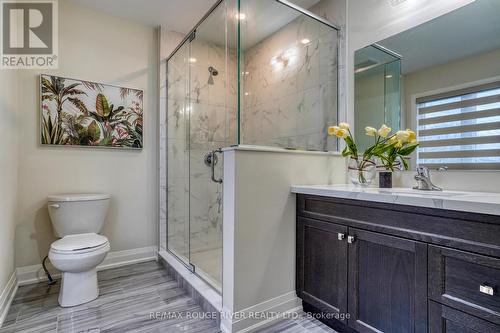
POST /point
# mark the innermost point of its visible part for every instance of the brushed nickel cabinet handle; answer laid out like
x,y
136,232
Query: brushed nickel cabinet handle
x,y
351,239
486,290
340,236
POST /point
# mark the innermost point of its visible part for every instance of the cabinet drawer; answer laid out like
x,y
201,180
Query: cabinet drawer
x,y
466,281
443,319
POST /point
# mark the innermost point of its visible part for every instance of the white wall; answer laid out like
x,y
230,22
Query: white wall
x,y
375,20
8,173
102,48
259,226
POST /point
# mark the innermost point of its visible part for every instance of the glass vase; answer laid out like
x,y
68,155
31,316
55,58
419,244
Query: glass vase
x,y
361,171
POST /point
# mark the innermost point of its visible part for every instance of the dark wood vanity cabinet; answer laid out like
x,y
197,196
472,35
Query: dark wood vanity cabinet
x,y
394,268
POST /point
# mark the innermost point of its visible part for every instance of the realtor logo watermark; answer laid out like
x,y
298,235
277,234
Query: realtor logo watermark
x,y
29,34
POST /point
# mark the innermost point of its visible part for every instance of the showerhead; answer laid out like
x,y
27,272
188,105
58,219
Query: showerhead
x,y
213,72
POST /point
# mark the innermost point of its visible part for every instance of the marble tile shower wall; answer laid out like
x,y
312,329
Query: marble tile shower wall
x,y
201,118
290,87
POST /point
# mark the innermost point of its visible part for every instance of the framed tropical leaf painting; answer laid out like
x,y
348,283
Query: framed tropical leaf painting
x,y
82,113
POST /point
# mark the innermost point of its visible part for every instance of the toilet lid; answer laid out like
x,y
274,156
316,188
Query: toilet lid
x,y
79,242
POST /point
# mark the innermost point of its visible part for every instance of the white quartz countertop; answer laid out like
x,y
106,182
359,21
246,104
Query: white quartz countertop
x,y
475,202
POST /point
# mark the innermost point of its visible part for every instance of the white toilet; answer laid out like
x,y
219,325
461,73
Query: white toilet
x,y
77,219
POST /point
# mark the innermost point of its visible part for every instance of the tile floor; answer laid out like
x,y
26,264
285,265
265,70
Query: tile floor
x,y
128,296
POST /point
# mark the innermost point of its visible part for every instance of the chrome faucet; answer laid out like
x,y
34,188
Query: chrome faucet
x,y
423,178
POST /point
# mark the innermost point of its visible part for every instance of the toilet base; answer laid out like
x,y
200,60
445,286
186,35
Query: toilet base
x,y
78,288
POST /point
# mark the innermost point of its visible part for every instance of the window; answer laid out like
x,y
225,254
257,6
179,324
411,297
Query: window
x,y
460,129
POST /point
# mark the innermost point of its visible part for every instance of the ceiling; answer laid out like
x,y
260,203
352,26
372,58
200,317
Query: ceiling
x,y
263,17
465,32
180,15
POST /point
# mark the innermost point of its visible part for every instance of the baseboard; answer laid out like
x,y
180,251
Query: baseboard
x,y
34,273
7,296
128,257
281,305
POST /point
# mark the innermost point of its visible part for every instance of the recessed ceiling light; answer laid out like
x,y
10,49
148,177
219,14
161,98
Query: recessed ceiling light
x,y
247,93
240,16
305,41
192,60
388,76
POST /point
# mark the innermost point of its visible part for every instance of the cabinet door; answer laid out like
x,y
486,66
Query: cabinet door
x,y
387,283
443,319
322,265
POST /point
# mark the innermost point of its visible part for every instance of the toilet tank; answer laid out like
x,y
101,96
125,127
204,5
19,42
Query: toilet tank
x,y
78,213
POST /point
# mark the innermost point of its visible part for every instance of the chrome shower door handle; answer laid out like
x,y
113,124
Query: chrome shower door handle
x,y
212,165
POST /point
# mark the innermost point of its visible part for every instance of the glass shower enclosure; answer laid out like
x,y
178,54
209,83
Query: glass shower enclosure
x,y
253,72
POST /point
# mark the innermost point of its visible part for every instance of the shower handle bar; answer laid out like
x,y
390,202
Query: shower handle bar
x,y
213,165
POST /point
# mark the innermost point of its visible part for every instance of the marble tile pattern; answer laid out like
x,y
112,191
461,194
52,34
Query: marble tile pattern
x,y
128,295
290,87
168,41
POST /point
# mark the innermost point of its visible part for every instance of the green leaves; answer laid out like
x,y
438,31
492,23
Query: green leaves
x,y
408,150
79,104
102,106
351,149
94,131
52,132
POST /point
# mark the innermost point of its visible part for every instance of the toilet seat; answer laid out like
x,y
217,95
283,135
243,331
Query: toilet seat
x,y
80,243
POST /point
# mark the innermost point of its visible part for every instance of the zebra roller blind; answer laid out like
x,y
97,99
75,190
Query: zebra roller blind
x,y
460,129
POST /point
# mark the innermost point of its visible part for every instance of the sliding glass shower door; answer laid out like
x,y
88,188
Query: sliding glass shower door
x,y
202,120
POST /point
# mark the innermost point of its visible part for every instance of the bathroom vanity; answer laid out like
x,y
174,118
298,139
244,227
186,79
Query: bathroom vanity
x,y
399,260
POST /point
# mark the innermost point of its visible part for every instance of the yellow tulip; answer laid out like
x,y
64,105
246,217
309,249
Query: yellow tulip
x,y
412,136
399,144
403,136
344,126
332,130
341,133
393,140
384,131
370,131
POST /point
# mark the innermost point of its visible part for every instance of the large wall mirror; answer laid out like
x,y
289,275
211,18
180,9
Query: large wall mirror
x,y
443,79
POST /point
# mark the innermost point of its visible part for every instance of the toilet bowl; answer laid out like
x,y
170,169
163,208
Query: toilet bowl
x,y
77,220
77,257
